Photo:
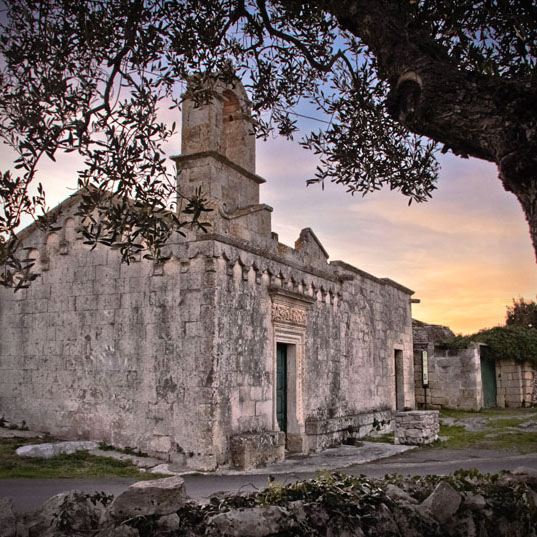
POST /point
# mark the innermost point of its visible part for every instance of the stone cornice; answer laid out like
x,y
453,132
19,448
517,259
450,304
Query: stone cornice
x,y
221,158
263,252
291,295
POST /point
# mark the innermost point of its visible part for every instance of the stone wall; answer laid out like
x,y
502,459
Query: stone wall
x,y
416,427
516,384
459,505
176,359
341,334
119,353
454,378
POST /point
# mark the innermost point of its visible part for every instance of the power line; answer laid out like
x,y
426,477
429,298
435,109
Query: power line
x,y
310,117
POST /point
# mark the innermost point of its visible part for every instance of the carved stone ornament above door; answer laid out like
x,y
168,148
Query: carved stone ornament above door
x,y
289,307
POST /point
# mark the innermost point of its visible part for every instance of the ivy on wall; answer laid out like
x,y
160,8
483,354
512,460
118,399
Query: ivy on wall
x,y
503,342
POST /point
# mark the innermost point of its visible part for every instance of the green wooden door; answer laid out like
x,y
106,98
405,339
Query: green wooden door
x,y
281,385
488,380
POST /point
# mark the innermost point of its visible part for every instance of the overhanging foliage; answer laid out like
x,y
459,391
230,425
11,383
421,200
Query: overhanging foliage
x,y
393,79
517,343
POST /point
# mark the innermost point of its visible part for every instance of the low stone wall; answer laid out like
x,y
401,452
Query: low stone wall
x,y
516,384
250,450
323,433
416,427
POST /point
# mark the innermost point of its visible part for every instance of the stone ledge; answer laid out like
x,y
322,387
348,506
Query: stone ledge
x,y
334,425
250,450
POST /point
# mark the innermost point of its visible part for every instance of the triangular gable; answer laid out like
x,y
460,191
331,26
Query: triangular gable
x,y
310,247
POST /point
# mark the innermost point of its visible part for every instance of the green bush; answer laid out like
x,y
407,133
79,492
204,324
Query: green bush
x,y
503,342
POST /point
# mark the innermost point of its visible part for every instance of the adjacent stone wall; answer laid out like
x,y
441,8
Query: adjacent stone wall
x,y
416,427
516,383
454,378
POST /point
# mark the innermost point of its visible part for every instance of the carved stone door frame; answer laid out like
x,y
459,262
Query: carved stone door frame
x,y
289,321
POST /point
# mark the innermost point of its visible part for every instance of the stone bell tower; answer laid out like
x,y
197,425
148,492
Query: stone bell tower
x,y
218,156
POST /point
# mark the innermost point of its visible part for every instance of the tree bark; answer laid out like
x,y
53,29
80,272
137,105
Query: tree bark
x,y
488,117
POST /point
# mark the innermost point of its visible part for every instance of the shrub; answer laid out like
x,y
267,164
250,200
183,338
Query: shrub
x,y
503,342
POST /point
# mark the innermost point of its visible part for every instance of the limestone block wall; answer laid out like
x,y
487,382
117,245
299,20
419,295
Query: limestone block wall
x,y
222,125
454,378
177,359
120,353
345,346
219,179
516,383
417,427
355,358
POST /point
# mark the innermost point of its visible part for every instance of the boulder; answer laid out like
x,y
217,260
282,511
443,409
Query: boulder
x,y
443,502
67,513
8,521
399,495
252,522
309,513
464,525
474,502
48,450
168,523
385,523
413,520
156,497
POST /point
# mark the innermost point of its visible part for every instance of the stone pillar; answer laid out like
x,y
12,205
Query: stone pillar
x,y
416,427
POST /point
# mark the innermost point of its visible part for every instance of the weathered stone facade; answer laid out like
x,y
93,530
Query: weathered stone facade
x,y
516,383
454,376
458,378
179,359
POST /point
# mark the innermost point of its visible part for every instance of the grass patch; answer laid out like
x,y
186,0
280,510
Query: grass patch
x,y
495,433
77,465
103,446
522,413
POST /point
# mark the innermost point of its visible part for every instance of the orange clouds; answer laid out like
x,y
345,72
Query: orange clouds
x,y
466,253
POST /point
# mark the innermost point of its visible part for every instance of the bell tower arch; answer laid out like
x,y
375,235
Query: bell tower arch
x,y
223,125
218,157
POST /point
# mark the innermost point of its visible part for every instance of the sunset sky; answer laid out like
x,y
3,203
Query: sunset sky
x,y
466,253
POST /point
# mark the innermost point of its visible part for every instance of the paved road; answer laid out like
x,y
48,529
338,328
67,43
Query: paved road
x,y
30,493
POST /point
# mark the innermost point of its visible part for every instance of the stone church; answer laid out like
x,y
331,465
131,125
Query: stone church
x,y
235,351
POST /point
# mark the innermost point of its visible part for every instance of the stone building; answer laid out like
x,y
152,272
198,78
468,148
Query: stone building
x,y
452,378
234,350
467,378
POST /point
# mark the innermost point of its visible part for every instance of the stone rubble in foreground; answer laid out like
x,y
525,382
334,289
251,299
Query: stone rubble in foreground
x,y
464,504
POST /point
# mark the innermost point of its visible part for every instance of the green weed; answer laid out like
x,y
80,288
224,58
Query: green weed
x,y
497,431
78,465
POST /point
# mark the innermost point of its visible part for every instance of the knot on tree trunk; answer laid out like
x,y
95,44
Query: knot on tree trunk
x,y
404,99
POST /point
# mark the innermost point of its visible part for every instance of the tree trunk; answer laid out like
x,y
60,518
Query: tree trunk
x,y
519,176
528,200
